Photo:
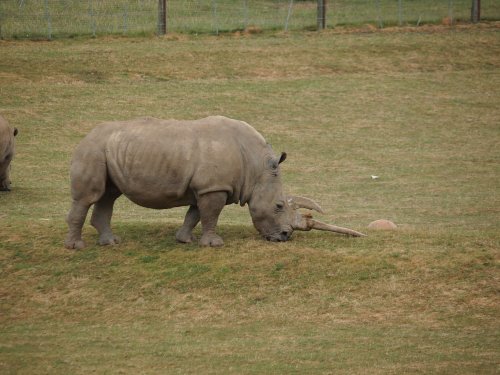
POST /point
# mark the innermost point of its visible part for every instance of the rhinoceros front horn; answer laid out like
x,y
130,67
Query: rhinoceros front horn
x,y
306,223
315,224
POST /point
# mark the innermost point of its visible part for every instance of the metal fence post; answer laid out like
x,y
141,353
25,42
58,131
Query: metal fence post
x,y
450,11
321,24
476,11
49,21
92,20
400,13
245,14
379,15
290,6
215,18
162,17
125,19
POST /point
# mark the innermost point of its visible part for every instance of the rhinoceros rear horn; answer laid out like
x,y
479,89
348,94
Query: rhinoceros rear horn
x,y
302,202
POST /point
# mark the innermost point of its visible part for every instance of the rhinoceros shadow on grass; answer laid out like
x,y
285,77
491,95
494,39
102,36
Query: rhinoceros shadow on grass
x,y
7,149
204,164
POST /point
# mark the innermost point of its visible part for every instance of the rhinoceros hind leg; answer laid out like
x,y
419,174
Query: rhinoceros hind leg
x,y
185,233
210,206
101,217
75,219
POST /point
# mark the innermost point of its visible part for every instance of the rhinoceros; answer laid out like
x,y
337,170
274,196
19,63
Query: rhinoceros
x,y
7,135
204,164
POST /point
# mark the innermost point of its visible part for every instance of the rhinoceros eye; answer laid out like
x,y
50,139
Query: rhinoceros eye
x,y
279,206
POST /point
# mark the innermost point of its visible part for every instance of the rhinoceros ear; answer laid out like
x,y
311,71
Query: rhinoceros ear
x,y
274,162
15,132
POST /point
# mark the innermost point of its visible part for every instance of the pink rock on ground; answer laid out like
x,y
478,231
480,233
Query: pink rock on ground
x,y
382,224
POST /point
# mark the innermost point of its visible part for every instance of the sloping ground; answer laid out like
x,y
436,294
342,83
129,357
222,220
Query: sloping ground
x,y
419,110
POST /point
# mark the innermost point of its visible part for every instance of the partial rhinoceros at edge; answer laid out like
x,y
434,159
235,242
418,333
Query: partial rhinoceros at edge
x,y
204,164
7,149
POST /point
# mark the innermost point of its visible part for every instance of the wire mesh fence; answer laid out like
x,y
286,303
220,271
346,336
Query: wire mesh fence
x,y
63,18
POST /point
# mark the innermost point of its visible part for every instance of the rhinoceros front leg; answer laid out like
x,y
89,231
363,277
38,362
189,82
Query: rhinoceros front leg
x,y
185,233
4,179
101,217
210,205
75,219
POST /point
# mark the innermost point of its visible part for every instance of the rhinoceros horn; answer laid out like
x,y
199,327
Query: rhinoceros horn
x,y
302,202
305,222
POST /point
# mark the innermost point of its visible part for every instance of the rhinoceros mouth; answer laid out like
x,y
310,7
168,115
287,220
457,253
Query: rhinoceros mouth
x,y
278,237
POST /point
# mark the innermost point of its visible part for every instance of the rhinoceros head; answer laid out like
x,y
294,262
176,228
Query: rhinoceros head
x,y
276,215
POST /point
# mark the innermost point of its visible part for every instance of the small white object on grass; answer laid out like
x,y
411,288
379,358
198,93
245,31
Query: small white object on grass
x,y
374,177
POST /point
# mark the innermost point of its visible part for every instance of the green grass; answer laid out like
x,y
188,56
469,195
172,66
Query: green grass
x,y
418,109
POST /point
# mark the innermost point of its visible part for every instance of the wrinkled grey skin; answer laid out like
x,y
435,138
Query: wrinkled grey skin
x,y
204,164
7,149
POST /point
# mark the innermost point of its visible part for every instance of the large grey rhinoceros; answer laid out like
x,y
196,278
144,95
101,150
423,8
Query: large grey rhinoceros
x,y
204,164
7,135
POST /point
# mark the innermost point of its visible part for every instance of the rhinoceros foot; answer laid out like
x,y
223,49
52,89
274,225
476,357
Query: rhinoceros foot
x,y
212,240
110,239
5,185
184,235
74,244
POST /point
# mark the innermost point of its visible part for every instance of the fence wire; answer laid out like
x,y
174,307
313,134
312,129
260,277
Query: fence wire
x,y
66,18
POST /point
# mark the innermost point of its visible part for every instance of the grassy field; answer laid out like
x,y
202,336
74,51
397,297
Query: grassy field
x,y
417,108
